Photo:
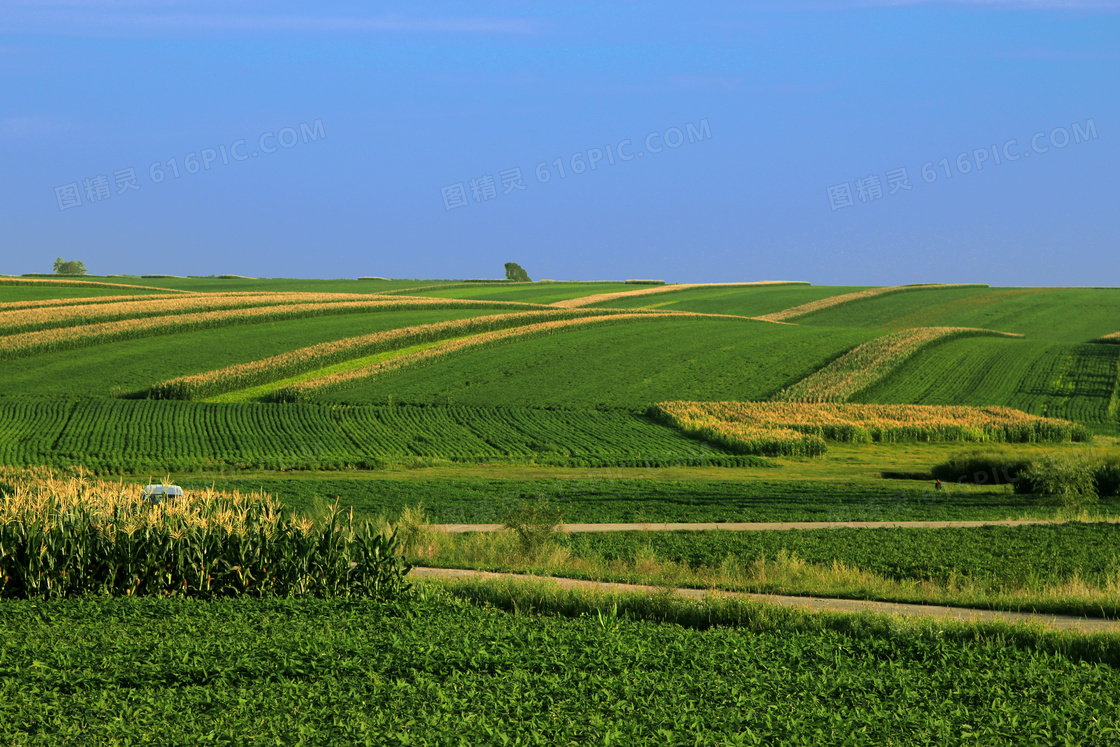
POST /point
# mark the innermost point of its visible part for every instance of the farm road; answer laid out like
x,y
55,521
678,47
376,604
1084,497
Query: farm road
x,y
763,526
1061,622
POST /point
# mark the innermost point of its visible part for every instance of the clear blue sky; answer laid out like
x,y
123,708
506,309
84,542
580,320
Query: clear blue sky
x,y
390,107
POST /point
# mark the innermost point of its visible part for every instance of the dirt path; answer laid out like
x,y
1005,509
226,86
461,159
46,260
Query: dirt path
x,y
744,526
1061,622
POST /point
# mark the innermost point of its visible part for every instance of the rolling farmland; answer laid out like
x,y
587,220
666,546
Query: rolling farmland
x,y
415,401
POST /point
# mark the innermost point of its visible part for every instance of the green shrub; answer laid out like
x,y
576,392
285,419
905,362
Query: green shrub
x,y
1106,477
1061,481
982,467
535,523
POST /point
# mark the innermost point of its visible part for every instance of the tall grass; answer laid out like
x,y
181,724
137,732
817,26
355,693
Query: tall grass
x,y
63,535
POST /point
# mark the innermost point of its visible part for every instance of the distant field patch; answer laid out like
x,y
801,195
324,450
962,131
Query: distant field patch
x,y
598,298
847,298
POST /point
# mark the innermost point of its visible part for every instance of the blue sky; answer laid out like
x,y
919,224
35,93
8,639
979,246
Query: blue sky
x,y
342,139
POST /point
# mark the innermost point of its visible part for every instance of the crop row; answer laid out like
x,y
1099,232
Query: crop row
x,y
76,301
138,435
307,390
30,343
53,282
741,422
295,362
832,301
63,536
869,363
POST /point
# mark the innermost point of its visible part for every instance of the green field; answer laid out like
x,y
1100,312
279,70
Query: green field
x,y
621,366
447,672
1058,314
592,498
164,436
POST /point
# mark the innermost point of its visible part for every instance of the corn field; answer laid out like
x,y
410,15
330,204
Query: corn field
x,y
744,423
66,535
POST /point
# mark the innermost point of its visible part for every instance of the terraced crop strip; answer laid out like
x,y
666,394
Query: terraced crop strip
x,y
307,390
319,356
154,436
31,343
65,536
833,301
737,425
869,363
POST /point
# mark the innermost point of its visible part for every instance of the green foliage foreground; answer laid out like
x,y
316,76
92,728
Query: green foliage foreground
x,y
566,669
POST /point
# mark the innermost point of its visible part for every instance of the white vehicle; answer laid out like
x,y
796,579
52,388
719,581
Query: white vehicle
x,y
156,493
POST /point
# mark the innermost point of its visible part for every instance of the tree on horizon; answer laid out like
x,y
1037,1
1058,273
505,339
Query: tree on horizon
x,y
71,267
515,271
